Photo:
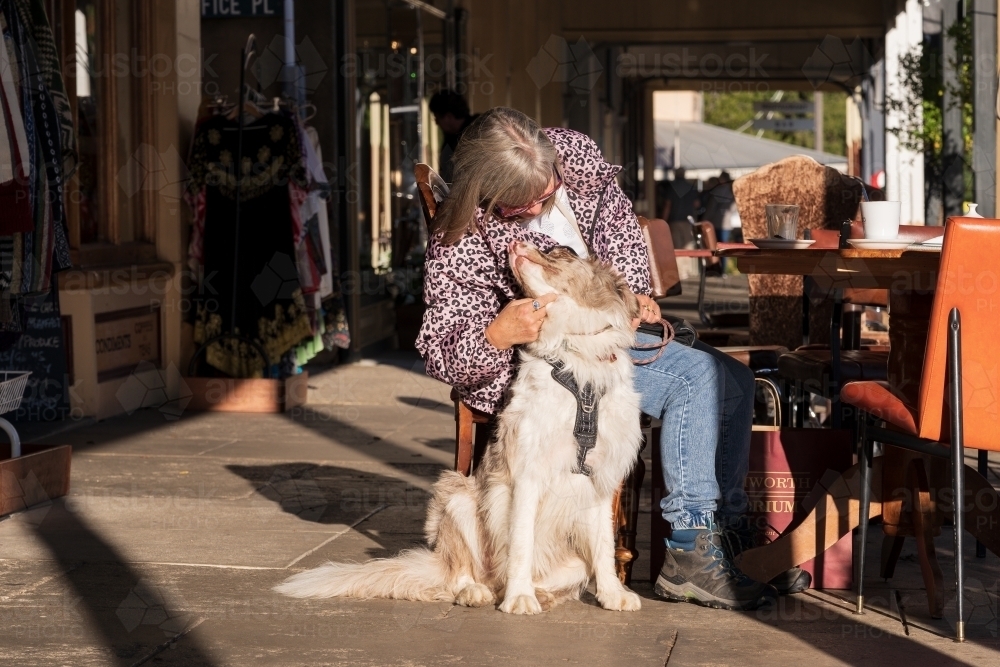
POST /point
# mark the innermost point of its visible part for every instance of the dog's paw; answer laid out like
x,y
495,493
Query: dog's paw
x,y
475,595
620,600
521,604
545,599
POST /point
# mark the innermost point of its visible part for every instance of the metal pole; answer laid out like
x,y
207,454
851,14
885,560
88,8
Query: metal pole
x,y
245,55
420,85
865,454
984,470
449,46
958,459
818,119
15,440
291,75
649,152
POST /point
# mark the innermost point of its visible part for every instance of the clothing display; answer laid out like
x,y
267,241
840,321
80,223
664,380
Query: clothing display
x,y
285,286
37,155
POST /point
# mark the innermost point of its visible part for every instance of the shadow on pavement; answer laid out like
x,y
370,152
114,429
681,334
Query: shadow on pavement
x,y
136,618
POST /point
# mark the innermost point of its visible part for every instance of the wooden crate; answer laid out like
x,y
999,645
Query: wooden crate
x,y
247,395
40,474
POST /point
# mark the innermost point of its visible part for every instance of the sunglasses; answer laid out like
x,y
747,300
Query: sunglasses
x,y
512,212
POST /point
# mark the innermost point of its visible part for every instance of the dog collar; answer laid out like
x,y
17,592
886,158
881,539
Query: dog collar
x,y
585,425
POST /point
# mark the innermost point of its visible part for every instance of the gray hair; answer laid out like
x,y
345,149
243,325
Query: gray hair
x,y
502,158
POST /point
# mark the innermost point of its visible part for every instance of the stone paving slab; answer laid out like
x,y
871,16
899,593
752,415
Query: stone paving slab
x,y
184,526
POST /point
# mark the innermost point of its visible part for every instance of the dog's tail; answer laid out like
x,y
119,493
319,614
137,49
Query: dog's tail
x,y
416,574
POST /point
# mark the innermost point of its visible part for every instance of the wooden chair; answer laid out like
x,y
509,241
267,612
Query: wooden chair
x,y
474,428
705,239
957,408
823,368
825,198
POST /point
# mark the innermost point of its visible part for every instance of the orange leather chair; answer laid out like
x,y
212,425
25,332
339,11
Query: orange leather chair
x,y
957,404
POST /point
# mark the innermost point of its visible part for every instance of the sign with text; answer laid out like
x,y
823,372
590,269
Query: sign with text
x,y
234,9
124,338
784,124
41,349
785,107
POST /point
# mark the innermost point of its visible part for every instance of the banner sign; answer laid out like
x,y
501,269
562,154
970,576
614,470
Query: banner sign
x,y
784,124
235,9
785,107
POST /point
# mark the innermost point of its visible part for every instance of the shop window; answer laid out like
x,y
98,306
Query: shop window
x,y
106,69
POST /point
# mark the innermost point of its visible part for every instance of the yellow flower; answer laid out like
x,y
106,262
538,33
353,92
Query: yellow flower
x,y
214,137
277,132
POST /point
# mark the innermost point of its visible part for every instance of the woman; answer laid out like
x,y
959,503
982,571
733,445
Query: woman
x,y
514,181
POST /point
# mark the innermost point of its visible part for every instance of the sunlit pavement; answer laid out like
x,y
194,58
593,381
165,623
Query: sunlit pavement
x,y
175,531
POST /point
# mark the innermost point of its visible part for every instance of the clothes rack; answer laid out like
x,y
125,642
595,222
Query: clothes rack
x,y
246,54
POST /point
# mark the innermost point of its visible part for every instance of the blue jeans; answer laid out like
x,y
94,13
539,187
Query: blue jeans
x,y
705,400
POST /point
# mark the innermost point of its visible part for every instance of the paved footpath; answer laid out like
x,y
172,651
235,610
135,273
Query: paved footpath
x,y
175,531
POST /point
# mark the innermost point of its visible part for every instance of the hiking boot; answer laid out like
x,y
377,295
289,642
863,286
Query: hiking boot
x,y
745,533
697,570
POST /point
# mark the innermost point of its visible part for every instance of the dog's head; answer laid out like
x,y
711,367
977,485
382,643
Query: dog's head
x,y
593,298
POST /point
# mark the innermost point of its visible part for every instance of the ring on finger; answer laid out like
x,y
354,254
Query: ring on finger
x,y
535,305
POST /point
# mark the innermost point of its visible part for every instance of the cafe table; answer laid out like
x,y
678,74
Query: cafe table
x,y
910,275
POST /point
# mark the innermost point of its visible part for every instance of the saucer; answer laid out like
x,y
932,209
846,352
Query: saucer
x,y
879,244
782,244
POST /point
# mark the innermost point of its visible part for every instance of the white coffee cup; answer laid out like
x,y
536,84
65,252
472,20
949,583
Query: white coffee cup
x,y
880,219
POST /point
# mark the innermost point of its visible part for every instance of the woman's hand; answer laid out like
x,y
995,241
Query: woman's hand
x,y
649,311
518,322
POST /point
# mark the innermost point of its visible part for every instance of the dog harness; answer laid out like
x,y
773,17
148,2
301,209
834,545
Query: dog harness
x,y
585,426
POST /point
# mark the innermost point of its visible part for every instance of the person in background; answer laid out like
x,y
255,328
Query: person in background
x,y
682,198
719,199
451,113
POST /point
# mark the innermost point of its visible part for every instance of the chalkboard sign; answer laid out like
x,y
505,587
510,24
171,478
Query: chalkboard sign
x,y
236,9
41,350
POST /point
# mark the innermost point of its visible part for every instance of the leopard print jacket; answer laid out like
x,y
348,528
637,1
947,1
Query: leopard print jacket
x,y
467,283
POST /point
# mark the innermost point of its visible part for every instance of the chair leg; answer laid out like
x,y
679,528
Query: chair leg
x,y
958,460
703,273
464,436
483,434
922,514
892,546
835,326
801,405
865,454
984,470
626,522
658,528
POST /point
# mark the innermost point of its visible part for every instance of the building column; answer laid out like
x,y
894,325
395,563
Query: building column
x,y
984,121
904,169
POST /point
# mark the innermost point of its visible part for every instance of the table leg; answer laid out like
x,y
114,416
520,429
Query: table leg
x,y
922,513
892,546
984,469
835,515
982,510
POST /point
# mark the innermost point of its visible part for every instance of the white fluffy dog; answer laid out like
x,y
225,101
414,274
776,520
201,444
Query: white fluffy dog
x,y
530,526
